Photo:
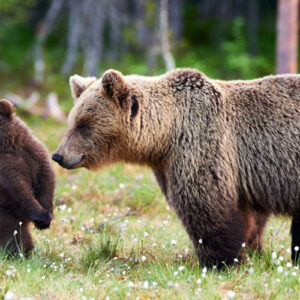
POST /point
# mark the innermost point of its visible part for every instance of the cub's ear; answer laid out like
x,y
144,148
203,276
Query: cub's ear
x,y
78,84
115,87
6,108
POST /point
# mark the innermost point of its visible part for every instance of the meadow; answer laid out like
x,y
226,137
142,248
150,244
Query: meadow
x,y
115,237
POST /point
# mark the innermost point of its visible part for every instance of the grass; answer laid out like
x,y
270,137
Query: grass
x,y
146,255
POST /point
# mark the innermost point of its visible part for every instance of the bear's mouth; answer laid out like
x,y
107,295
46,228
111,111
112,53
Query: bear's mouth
x,y
74,164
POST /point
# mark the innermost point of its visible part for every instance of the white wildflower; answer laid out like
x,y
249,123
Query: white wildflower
x,y
9,296
230,294
145,284
280,269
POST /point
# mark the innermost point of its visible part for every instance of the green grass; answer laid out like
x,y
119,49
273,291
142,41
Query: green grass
x,y
132,257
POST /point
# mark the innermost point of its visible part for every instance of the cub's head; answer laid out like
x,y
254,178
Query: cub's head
x,y
6,111
10,129
6,115
102,123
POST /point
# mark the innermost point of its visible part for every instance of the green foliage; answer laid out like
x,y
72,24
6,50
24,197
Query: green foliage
x,y
237,61
17,8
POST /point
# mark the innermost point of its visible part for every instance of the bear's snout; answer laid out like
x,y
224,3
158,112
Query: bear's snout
x,y
58,158
68,161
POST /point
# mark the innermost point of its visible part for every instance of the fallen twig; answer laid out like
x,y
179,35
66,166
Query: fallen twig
x,y
113,221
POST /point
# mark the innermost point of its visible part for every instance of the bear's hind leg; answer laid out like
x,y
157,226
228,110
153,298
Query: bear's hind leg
x,y
295,232
13,236
255,229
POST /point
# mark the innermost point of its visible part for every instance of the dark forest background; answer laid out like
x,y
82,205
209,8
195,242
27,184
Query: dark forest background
x,y
44,41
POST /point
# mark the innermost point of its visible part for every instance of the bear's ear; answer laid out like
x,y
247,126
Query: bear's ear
x,y
6,108
115,87
78,84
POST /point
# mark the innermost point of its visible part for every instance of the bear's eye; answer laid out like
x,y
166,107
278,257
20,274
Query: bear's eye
x,y
82,126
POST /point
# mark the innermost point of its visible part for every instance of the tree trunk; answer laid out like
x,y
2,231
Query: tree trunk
x,y
176,19
164,38
252,26
74,35
287,36
115,31
44,29
93,11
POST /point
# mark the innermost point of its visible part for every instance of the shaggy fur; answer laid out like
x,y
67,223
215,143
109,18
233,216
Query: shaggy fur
x,y
225,154
26,182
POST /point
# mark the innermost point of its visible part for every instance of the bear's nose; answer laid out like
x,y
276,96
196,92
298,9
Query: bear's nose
x,y
58,158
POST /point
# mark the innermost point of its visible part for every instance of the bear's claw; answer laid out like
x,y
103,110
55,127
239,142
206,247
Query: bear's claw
x,y
42,221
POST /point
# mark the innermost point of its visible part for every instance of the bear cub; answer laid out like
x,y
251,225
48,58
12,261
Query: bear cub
x,y
27,183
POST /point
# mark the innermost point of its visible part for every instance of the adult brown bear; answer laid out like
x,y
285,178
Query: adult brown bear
x,y
226,154
26,182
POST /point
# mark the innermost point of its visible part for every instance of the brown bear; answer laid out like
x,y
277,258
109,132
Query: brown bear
x,y
226,154
26,183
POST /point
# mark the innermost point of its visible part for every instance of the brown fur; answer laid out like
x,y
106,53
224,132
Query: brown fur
x,y
26,182
225,154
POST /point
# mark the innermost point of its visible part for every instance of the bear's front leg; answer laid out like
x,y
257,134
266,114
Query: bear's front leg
x,y
213,221
45,190
216,244
24,203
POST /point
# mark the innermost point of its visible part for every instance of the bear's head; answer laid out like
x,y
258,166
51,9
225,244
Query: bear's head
x,y
103,122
